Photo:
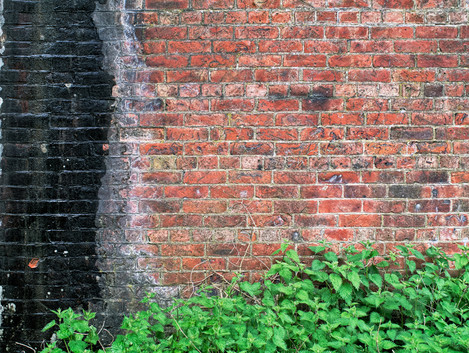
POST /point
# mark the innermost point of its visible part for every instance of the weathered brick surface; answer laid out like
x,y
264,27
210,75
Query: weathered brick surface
x,y
308,120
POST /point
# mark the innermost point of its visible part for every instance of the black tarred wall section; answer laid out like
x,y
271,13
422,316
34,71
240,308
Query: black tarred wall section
x,y
55,116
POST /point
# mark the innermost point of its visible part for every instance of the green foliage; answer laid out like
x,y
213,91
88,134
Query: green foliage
x,y
356,302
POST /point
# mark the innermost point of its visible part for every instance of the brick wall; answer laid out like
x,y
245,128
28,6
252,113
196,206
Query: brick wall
x,y
251,121
236,124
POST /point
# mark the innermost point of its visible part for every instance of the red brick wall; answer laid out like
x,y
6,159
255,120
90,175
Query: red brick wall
x,y
336,120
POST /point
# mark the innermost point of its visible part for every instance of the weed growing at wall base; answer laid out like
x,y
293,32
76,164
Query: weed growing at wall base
x,y
358,301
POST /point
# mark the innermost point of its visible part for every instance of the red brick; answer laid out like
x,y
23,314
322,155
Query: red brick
x,y
154,47
393,61
253,4
259,60
161,148
152,206
303,32
376,206
166,32
182,250
255,206
249,177
260,32
437,61
347,32
341,148
212,4
385,148
316,221
387,177
206,148
207,177
289,177
305,60
350,60
181,220
431,32
413,75
366,133
460,177
364,191
339,206
233,75
243,46
167,61
296,149
404,221
277,134
210,32
432,118
189,47
360,220
320,133
232,104
368,46
395,4
203,206
225,221
367,75
275,75
324,191
252,148
415,46
391,32
365,104
190,76
294,119
181,134
342,119
269,220
192,192
276,46
166,5
211,60
278,105
273,192
339,177
331,47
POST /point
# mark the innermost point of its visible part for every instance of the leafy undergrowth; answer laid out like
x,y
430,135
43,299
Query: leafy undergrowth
x,y
358,302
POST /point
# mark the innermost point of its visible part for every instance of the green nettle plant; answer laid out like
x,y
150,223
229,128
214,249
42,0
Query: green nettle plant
x,y
358,302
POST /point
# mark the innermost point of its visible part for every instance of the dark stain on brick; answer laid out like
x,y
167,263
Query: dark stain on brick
x,y
433,90
55,118
405,191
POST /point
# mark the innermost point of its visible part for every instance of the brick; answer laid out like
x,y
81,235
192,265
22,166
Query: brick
x,y
253,4
212,61
413,75
206,148
295,119
273,192
393,60
324,191
242,46
320,133
347,32
167,61
392,32
225,221
166,32
275,75
294,178
212,4
342,206
315,220
367,75
151,206
437,61
203,206
415,46
339,177
302,32
207,177
249,177
180,192
331,47
188,47
275,220
350,60
278,46
304,60
404,221
259,60
251,148
342,119
161,149
375,206
395,4
277,134
278,105
360,220
364,191
231,75
257,32
210,32
296,149
411,133
429,206
190,76
431,32
368,46
366,133
341,148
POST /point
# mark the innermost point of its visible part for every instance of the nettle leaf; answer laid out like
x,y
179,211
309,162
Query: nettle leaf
x,y
317,265
354,278
48,326
279,337
77,346
345,292
376,279
417,254
331,256
292,254
317,249
411,264
336,281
